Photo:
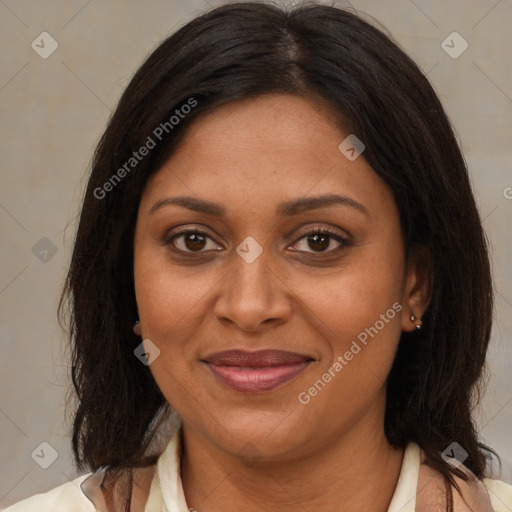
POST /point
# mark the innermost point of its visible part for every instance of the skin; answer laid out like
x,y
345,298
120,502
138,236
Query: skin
x,y
264,450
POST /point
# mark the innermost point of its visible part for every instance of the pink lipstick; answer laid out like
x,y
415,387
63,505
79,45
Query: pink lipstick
x,y
254,372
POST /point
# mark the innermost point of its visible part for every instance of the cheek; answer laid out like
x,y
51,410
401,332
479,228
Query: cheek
x,y
353,299
169,299
173,305
357,317
358,332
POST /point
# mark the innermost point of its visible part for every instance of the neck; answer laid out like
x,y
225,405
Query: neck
x,y
347,472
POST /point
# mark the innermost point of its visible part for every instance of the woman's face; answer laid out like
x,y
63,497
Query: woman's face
x,y
278,322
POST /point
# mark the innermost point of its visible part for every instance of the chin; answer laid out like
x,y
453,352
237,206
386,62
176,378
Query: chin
x,y
268,435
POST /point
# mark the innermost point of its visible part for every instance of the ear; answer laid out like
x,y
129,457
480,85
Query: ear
x,y
137,328
418,284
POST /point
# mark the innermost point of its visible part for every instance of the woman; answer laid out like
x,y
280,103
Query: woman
x,y
280,244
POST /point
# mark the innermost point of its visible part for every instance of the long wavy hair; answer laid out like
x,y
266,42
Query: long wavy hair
x,y
239,51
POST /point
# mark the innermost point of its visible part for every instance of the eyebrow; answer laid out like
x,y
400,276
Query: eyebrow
x,y
286,209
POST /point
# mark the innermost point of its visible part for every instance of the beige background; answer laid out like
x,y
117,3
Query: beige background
x,y
53,111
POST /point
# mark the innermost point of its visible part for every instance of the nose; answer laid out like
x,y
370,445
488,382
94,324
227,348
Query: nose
x,y
252,296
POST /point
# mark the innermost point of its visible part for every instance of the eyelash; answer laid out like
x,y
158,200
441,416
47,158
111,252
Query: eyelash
x,y
344,242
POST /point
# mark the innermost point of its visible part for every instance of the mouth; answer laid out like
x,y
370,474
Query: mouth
x,y
254,372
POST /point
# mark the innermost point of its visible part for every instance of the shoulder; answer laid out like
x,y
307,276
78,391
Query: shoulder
x,y
485,495
66,498
85,494
500,494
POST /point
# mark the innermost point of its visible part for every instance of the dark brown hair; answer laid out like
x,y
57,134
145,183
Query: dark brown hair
x,y
240,51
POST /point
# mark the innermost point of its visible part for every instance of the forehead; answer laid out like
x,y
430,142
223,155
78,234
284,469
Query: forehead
x,y
267,124
264,150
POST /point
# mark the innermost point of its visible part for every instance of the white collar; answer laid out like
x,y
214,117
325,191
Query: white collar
x,y
170,497
404,497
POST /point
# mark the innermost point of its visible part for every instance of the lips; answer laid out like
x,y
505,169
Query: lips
x,y
256,371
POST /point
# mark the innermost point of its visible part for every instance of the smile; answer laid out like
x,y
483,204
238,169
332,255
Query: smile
x,y
254,372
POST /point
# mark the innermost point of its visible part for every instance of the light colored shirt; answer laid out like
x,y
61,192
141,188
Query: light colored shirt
x,y
166,491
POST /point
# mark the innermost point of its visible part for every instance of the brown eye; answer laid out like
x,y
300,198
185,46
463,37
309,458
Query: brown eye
x,y
192,240
320,242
